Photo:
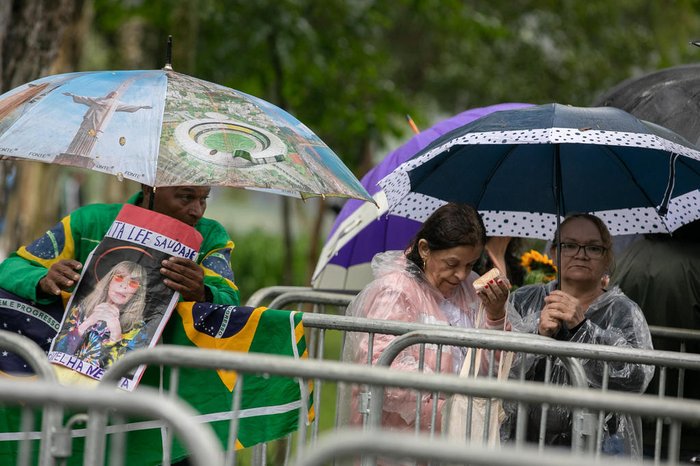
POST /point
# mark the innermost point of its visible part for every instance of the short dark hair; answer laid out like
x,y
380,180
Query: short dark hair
x,y
449,226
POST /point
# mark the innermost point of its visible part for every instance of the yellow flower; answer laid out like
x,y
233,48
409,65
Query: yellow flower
x,y
539,265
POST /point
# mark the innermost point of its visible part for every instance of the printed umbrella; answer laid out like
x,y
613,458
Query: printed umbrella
x,y
527,168
667,97
361,230
163,128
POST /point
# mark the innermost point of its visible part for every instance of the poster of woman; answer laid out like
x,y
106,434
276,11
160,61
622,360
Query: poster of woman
x,y
121,303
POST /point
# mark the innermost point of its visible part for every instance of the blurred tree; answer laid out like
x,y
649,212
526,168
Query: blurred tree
x,y
321,62
350,70
555,51
37,37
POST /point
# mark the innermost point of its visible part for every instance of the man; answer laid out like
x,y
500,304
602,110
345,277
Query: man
x,y
209,317
661,273
52,263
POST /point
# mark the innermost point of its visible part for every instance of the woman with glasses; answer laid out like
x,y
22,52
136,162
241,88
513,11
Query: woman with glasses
x,y
109,320
583,309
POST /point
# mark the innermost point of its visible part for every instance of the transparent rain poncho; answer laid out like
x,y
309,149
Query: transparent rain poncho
x,y
612,319
400,292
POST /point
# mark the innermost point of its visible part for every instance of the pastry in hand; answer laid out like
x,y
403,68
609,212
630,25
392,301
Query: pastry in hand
x,y
483,280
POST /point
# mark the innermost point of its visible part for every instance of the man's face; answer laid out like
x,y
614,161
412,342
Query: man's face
x,y
184,203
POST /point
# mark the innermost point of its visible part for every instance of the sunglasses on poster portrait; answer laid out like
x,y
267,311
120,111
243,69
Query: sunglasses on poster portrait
x,y
132,283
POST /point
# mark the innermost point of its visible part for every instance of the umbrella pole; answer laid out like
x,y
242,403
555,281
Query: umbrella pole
x,y
152,198
557,201
169,54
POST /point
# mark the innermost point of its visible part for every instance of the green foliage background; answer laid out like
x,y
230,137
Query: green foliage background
x,y
352,69
257,261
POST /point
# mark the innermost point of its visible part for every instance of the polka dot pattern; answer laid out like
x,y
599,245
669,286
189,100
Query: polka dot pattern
x,y
416,206
682,210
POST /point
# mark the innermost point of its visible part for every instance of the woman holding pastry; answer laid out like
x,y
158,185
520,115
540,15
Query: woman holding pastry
x,y
431,282
582,309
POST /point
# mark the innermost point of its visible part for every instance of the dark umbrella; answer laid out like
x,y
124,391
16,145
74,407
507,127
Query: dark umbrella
x,y
525,169
669,97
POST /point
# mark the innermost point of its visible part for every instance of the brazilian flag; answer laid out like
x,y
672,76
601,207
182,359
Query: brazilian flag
x,y
270,405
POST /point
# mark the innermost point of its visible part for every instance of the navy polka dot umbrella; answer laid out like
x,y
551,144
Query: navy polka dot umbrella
x,y
526,169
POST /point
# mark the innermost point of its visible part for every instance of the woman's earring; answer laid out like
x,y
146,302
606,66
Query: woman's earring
x,y
423,265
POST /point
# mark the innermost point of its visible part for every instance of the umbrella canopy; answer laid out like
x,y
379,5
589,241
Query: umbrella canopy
x,y
361,230
163,128
526,169
668,97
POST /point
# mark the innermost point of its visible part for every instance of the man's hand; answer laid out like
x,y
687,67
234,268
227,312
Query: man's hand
x,y
185,276
560,309
61,276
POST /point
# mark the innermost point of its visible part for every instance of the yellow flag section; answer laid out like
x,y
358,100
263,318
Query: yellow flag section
x,y
240,341
270,406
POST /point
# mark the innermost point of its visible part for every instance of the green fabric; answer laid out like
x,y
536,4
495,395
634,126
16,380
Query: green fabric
x,y
83,229
209,394
205,391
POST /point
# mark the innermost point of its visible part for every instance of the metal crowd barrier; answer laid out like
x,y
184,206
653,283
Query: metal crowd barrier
x,y
569,353
682,336
346,443
200,441
284,296
491,340
35,357
351,324
526,392
30,352
43,389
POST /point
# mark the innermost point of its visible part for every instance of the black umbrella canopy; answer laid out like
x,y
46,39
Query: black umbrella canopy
x,y
669,97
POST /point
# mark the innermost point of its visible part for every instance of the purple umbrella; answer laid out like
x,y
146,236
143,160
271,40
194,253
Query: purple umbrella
x,y
360,230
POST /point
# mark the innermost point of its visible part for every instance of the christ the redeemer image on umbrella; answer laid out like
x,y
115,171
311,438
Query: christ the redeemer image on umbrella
x,y
97,117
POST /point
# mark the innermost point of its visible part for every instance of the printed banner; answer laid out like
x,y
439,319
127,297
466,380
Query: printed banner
x,y
121,303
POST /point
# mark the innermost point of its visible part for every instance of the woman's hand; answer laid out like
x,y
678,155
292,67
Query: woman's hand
x,y
560,309
102,312
494,296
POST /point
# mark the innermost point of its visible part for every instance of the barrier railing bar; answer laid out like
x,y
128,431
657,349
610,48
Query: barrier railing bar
x,y
486,339
30,352
544,345
312,296
200,441
271,292
534,392
675,333
477,338
347,443
37,360
303,296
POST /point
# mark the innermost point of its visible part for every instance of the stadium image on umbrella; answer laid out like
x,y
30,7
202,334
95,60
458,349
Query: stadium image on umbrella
x,y
163,128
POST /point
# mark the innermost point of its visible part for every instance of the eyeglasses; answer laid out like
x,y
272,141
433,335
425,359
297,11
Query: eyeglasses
x,y
133,284
591,250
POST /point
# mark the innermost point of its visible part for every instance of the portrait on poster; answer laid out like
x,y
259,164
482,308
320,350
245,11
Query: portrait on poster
x,y
121,303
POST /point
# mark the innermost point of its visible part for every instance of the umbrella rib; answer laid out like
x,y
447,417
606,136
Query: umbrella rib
x,y
629,174
480,197
670,184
